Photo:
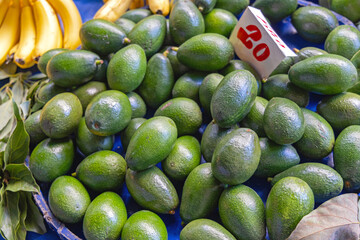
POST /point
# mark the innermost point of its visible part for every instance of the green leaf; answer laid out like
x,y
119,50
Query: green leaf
x,y
7,70
20,179
34,220
18,91
6,110
37,76
9,215
21,230
17,147
25,108
5,133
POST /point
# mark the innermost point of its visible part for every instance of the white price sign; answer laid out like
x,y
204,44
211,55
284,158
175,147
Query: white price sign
x,y
257,43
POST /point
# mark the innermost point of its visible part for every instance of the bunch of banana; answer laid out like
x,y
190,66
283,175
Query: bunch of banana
x,y
29,28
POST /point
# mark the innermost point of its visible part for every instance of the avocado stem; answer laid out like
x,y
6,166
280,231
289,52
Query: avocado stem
x,y
127,40
175,49
166,53
264,80
269,179
201,8
73,174
347,185
296,50
99,62
172,212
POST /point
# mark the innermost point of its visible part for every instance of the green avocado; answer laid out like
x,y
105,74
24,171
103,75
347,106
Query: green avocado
x,y
205,6
288,202
276,10
347,8
45,58
307,52
234,6
47,92
138,105
125,24
168,40
207,89
356,61
284,66
87,91
254,119
152,190
68,199
205,229
220,21
188,85
51,158
344,41
243,213
105,217
32,127
144,225
129,131
323,180
179,69
200,194
136,15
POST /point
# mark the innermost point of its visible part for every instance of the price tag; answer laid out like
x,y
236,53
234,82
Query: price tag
x,y
257,43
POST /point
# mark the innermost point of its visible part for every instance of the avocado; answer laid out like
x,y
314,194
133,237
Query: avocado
x,y
347,8
340,110
136,15
51,158
276,10
87,91
102,37
88,143
105,217
280,86
318,139
233,98
61,115
205,6
188,85
129,131
73,67
127,69
108,113
138,105
45,58
68,199
325,74
152,190
284,66
125,24
100,75
185,21
200,194
206,52
234,6
307,52
254,119
344,41
144,225
283,121
179,69
47,92
236,156
183,158
32,127
314,23
205,229
158,82
288,202
168,40
149,34
275,158
346,157
323,180
243,213
356,61
151,143
184,112
207,89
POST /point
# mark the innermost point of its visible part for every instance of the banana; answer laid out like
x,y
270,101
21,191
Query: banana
x,y
10,55
48,31
136,4
4,5
23,55
9,30
113,9
161,7
71,19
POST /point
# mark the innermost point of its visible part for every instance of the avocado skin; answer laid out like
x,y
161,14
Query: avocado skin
x,y
235,6
346,157
188,85
243,213
326,74
280,86
236,156
318,139
138,105
276,10
47,92
179,69
220,21
87,91
254,119
284,66
144,225
105,217
288,202
73,67
149,34
275,158
307,52
206,52
151,143
205,229
341,110
68,199
205,6
102,37
211,136
356,61
136,15
45,58
344,41
323,180
233,98
207,89
51,158
32,127
314,23
125,24
152,190
347,8
185,21
129,131
283,121
200,194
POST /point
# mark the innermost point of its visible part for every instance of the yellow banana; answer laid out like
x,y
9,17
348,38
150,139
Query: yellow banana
x,y
136,4
10,55
113,9
9,30
71,19
161,7
4,5
48,31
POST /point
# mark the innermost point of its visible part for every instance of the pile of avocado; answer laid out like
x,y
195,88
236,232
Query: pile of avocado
x,y
174,94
